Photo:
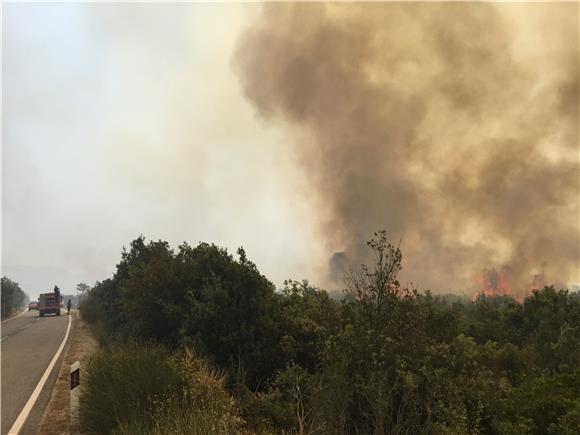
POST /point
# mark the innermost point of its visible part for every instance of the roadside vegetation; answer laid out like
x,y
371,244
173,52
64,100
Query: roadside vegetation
x,y
12,297
198,341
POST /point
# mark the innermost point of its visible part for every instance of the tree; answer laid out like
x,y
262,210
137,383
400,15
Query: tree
x,y
83,288
13,298
198,296
372,362
375,290
545,313
546,401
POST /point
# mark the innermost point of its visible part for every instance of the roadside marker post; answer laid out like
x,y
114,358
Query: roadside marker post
x,y
75,380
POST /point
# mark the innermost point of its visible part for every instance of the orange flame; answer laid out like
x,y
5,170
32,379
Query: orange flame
x,y
494,283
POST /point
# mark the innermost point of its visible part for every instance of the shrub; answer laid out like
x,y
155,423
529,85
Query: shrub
x,y
126,382
201,407
200,296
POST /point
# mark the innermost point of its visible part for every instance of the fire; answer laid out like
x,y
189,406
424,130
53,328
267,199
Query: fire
x,y
538,283
494,283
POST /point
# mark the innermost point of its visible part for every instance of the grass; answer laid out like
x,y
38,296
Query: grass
x,y
126,382
142,389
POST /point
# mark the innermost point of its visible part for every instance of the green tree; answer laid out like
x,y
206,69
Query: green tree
x,y
198,296
13,298
308,318
545,314
375,290
83,288
372,362
547,402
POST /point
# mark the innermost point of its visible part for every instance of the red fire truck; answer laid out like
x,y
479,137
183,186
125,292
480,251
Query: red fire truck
x,y
47,304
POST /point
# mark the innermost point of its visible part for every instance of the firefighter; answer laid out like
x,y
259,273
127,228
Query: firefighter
x,y
57,296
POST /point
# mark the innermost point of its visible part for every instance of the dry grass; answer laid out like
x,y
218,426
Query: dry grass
x,y
81,344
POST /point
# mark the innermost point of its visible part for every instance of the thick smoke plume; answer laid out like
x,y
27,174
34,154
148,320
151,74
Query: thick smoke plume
x,y
441,122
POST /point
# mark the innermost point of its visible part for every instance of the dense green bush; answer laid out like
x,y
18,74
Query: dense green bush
x,y
200,297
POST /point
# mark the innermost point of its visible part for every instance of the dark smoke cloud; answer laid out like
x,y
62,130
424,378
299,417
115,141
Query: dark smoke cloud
x,y
338,265
430,120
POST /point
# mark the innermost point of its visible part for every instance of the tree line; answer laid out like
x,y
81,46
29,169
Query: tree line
x,y
382,359
12,296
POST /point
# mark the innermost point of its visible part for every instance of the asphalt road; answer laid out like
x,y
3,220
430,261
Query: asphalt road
x,y
28,344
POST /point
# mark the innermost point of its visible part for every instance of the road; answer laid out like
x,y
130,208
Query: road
x,y
28,345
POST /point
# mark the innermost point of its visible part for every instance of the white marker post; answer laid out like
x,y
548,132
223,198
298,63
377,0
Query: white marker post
x,y
75,380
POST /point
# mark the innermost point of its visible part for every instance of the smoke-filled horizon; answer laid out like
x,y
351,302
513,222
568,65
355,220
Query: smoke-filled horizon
x,y
454,126
125,119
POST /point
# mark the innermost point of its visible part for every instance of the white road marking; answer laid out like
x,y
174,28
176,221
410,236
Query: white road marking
x,y
4,338
21,419
14,317
25,326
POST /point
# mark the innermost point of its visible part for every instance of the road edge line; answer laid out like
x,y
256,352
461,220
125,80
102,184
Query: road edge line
x,y
21,419
14,317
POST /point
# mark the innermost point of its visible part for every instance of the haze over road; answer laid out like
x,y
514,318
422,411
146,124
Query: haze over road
x,y
28,344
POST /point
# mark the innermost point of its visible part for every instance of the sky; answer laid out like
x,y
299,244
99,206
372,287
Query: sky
x,y
120,120
295,131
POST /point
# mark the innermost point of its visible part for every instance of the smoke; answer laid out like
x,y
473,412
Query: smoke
x,y
337,266
452,125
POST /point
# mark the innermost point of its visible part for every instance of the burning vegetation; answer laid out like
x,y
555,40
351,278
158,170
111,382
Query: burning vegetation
x,y
494,283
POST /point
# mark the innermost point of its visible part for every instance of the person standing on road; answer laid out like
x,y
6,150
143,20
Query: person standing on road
x,y
68,305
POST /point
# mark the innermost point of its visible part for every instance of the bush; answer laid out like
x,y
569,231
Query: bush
x,y
126,382
142,389
198,296
206,406
181,416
